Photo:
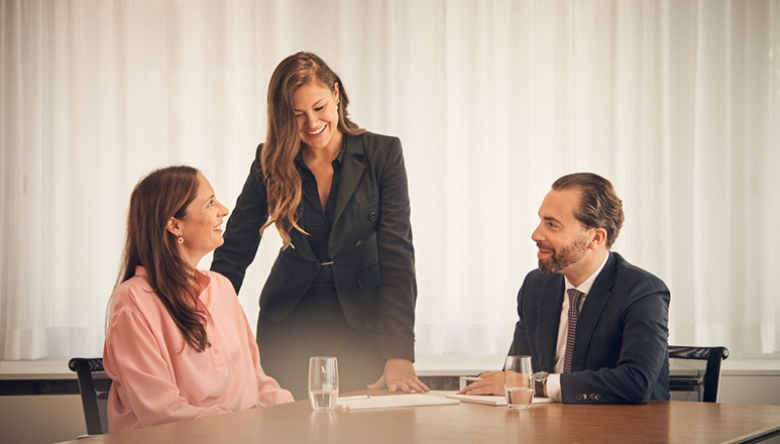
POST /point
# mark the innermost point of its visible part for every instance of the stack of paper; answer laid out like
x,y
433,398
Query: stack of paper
x,y
392,401
490,399
480,399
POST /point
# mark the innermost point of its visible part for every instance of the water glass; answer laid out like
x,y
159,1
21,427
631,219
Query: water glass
x,y
518,382
323,382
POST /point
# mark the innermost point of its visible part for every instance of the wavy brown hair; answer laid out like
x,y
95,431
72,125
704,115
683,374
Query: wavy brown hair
x,y
600,207
163,194
282,142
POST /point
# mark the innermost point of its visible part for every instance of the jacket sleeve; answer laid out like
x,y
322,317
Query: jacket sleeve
x,y
642,352
527,340
242,234
398,290
520,345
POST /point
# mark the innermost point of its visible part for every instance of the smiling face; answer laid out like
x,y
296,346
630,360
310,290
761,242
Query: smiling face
x,y
201,228
316,111
564,242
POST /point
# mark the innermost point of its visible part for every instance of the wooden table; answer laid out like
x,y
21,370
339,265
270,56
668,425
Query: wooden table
x,y
657,422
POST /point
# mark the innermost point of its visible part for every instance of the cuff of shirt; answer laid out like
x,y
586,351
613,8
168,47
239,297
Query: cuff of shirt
x,y
554,387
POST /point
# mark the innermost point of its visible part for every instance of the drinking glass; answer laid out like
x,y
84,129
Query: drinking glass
x,y
323,382
518,382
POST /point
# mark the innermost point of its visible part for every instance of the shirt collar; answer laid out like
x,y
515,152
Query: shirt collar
x,y
586,286
201,277
339,158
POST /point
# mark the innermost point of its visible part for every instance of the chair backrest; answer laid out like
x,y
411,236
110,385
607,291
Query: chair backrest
x,y
93,385
686,376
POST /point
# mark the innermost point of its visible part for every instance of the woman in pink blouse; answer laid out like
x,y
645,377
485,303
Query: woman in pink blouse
x,y
178,344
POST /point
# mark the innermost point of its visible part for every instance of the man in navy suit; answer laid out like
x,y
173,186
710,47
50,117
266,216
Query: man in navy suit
x,y
618,333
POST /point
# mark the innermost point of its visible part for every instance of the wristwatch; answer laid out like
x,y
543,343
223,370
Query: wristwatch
x,y
540,379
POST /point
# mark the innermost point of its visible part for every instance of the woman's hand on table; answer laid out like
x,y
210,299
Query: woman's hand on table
x,y
400,375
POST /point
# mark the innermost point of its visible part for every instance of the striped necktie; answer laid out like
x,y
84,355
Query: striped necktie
x,y
574,303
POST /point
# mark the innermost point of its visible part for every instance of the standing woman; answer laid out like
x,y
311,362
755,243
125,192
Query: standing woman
x,y
178,345
344,282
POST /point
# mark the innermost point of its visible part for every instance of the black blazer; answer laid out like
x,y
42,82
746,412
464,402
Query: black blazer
x,y
371,221
621,351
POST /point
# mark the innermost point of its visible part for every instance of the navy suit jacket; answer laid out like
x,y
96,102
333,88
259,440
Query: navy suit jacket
x,y
370,245
621,351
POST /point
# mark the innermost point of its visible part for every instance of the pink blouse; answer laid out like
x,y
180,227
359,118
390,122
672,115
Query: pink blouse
x,y
159,378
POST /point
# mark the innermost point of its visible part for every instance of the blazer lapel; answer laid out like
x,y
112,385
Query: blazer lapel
x,y
549,320
351,171
300,242
595,303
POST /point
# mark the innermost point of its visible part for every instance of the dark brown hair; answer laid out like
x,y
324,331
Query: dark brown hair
x,y
282,142
600,207
163,194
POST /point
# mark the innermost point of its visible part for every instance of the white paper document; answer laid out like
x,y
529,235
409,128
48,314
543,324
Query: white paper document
x,y
480,399
392,401
497,400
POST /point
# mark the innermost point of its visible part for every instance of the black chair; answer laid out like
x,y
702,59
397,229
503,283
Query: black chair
x,y
94,385
694,372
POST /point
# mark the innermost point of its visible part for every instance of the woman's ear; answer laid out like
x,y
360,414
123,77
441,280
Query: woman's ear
x,y
173,226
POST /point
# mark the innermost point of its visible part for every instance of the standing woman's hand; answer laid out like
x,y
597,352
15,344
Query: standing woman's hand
x,y
400,375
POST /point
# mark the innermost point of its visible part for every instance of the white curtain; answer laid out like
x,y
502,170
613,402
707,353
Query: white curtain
x,y
677,102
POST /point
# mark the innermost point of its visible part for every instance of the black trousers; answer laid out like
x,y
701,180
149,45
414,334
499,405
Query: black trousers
x,y
317,327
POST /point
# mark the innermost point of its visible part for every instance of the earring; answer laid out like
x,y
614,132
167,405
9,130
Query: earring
x,y
181,239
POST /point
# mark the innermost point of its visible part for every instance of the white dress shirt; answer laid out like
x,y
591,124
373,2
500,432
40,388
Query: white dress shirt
x,y
554,380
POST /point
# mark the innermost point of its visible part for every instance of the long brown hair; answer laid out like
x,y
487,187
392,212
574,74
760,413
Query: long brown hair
x,y
163,194
282,142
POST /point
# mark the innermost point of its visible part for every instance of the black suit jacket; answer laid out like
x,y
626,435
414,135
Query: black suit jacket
x,y
370,245
621,351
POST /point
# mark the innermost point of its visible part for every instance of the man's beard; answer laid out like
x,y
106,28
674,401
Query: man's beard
x,y
564,257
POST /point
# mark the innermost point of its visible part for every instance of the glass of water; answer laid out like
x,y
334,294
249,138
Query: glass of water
x,y
518,382
323,382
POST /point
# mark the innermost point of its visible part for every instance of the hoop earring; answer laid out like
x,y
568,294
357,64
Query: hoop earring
x,y
181,239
